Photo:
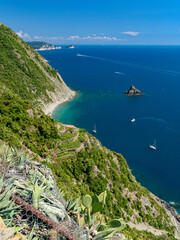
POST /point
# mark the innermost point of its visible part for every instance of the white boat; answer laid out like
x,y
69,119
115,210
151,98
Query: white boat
x,y
94,130
133,120
153,146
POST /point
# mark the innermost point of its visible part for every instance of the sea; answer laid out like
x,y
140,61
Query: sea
x,y
101,75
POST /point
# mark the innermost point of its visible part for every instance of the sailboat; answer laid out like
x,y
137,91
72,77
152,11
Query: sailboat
x,y
94,130
153,146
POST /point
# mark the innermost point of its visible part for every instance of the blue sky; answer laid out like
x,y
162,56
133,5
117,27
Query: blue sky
x,y
119,22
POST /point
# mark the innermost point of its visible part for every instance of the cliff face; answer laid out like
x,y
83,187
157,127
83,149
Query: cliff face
x,y
24,72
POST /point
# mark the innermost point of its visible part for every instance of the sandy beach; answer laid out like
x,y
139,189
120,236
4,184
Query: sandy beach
x,y
49,108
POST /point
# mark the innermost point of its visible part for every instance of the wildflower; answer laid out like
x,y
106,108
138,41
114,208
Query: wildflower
x,y
51,238
35,160
22,148
45,153
31,155
55,163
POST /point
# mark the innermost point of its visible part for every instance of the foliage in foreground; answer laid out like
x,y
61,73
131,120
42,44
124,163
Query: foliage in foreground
x,y
33,185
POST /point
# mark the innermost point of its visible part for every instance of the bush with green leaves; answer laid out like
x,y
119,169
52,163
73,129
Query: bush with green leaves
x,y
89,216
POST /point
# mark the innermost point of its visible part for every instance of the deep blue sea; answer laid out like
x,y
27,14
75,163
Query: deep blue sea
x,y
101,75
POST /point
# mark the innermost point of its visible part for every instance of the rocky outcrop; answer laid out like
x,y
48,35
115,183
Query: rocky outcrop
x,y
171,212
8,233
133,91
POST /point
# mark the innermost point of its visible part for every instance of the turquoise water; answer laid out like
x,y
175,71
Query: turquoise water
x,y
101,75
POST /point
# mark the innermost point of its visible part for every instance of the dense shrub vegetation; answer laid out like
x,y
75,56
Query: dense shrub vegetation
x,y
21,68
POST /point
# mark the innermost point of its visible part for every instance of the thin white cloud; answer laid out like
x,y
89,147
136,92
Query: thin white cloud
x,y
86,38
20,34
38,37
56,38
73,37
47,38
94,37
23,35
131,33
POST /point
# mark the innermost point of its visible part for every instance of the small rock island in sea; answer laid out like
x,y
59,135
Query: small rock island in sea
x,y
70,46
133,91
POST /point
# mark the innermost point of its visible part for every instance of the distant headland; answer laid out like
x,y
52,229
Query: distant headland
x,y
42,46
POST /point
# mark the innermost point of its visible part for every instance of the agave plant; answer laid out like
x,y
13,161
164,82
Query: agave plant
x,y
73,206
30,237
7,207
37,192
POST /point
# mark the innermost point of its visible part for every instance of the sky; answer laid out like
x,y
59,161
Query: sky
x,y
105,22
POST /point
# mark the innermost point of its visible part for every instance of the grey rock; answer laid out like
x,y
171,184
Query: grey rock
x,y
118,236
133,91
6,233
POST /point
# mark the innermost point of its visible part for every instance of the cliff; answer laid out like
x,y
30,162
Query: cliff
x,y
78,161
24,72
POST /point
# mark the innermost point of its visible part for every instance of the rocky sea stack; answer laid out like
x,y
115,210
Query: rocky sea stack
x,y
133,91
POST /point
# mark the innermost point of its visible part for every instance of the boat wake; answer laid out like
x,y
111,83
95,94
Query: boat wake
x,y
82,55
154,119
160,120
147,68
120,73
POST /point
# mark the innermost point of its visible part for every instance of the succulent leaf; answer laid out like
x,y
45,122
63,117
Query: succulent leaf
x,y
95,199
87,201
102,197
107,234
115,223
96,207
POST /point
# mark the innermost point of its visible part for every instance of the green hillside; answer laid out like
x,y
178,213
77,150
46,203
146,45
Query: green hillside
x,y
26,73
79,162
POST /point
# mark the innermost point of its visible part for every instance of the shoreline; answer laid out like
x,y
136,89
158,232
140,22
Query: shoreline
x,y
51,107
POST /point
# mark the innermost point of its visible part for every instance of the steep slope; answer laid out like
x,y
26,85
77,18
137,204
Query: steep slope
x,y
81,165
79,162
26,73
